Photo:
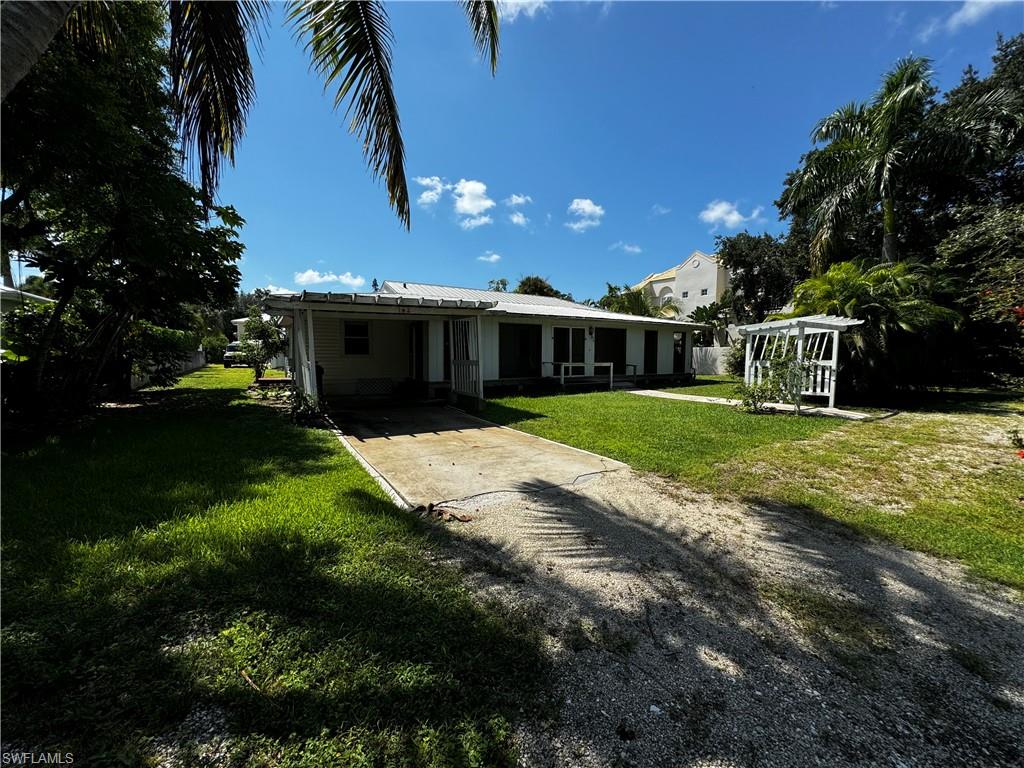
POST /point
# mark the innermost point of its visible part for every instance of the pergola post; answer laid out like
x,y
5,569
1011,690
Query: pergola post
x,y
799,367
748,374
835,370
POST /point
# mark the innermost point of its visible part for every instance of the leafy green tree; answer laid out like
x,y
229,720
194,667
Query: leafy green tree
x,y
871,149
349,44
500,285
534,285
263,341
97,203
763,271
985,255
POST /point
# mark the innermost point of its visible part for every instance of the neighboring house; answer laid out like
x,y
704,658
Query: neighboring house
x,y
11,298
427,340
698,281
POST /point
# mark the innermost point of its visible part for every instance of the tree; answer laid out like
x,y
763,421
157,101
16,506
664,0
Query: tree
x,y
534,285
263,341
871,149
98,204
985,255
716,315
763,269
349,44
499,285
634,301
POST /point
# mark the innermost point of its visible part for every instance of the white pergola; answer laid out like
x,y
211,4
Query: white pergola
x,y
815,340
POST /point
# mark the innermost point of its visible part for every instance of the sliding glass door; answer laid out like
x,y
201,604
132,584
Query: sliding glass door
x,y
570,348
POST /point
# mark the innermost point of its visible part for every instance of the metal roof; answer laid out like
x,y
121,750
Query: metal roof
x,y
451,292
403,294
812,323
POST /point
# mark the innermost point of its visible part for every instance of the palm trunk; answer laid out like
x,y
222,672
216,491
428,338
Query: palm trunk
x,y
889,242
27,28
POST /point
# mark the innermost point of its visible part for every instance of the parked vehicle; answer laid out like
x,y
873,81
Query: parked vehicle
x,y
233,355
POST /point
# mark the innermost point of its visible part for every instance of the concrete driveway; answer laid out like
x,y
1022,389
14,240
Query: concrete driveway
x,y
435,454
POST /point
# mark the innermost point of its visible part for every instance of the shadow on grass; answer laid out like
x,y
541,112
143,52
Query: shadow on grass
x,y
206,556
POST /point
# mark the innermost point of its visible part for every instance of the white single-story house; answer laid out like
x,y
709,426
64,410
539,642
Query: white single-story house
x,y
430,340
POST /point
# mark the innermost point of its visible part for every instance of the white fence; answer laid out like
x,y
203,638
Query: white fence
x,y
193,363
709,360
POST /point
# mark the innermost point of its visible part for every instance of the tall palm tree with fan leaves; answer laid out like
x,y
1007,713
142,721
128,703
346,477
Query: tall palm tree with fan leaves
x,y
349,43
869,150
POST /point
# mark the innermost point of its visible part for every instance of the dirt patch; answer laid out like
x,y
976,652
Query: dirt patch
x,y
688,630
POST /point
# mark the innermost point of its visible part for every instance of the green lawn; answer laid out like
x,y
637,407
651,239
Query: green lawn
x,y
716,385
943,480
200,556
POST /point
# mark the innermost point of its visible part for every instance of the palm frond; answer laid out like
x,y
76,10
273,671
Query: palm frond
x,y
211,78
484,23
93,25
848,122
975,127
349,43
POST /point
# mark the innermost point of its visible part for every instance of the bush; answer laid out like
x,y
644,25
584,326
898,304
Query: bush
x,y
736,358
214,346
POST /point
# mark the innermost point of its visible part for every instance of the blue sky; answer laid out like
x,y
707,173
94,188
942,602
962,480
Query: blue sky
x,y
614,140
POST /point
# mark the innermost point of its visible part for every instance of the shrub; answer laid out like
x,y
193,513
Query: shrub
x,y
214,346
736,358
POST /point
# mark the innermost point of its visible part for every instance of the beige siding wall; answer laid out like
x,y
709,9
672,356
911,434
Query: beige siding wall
x,y
388,358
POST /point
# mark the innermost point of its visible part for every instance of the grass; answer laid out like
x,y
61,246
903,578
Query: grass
x,y
716,385
200,557
942,479
682,439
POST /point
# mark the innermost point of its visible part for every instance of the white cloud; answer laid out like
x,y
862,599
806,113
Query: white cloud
x,y
313,277
434,187
722,212
588,214
278,289
510,10
513,200
659,210
490,257
517,218
625,247
968,14
474,222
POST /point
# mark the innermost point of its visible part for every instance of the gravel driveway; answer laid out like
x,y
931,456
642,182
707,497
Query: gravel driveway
x,y
687,631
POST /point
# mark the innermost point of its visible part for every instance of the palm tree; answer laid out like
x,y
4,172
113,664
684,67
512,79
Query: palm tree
x,y
889,298
349,43
635,301
870,148
716,315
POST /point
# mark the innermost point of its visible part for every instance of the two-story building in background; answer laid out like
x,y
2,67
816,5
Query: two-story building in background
x,y
697,282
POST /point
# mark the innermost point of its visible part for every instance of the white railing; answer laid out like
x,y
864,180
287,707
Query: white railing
x,y
818,376
561,369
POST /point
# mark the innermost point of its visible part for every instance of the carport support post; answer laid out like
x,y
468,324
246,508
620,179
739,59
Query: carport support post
x,y
311,359
479,361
